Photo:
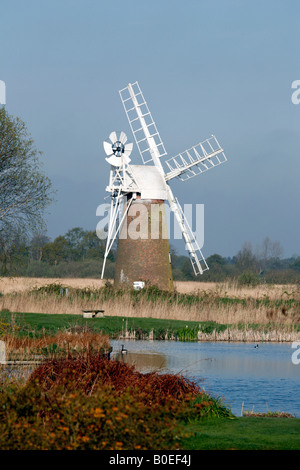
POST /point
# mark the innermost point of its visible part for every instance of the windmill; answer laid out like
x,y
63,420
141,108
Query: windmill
x,y
138,188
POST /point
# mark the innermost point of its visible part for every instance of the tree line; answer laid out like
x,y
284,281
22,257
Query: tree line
x,y
77,253
251,265
80,253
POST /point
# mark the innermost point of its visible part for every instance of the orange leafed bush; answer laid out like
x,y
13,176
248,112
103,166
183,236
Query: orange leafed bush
x,y
61,420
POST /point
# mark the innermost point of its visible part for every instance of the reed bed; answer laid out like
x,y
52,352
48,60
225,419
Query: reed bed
x,y
232,288
22,284
246,333
284,334
64,344
202,306
278,306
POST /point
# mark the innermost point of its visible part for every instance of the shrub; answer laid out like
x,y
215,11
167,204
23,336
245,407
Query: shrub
x,y
90,372
92,403
56,289
249,279
31,420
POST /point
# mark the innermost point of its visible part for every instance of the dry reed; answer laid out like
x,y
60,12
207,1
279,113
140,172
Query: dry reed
x,y
231,288
210,309
24,348
23,284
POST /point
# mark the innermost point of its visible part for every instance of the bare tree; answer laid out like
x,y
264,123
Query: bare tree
x,y
39,240
268,250
246,259
24,190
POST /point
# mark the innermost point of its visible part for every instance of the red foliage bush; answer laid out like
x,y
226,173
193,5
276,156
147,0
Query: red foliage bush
x,y
93,371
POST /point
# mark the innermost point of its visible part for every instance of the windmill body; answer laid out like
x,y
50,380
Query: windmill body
x,y
143,246
138,195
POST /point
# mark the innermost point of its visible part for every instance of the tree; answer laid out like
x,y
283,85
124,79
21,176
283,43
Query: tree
x,y
93,247
217,267
187,270
269,250
13,250
75,238
84,244
246,259
24,190
217,261
36,246
56,251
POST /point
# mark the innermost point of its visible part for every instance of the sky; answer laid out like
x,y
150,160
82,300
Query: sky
x,y
222,67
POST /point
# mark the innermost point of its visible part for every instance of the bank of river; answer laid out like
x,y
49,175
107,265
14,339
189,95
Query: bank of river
x,y
246,376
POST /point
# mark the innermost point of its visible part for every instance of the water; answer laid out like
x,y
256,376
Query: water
x,y
261,378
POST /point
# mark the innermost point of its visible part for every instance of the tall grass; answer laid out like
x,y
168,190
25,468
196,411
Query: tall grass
x,y
231,288
218,305
62,344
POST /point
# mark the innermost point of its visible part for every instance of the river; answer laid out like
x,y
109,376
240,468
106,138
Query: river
x,y
246,376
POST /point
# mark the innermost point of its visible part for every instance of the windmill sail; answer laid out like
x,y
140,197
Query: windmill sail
x,y
194,161
143,127
197,259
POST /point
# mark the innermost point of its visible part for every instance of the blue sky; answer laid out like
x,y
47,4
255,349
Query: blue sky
x,y
222,67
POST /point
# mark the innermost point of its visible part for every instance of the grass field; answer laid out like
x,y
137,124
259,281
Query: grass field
x,y
40,323
144,328
244,434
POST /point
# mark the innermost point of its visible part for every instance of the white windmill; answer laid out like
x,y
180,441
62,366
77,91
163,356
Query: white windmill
x,y
149,182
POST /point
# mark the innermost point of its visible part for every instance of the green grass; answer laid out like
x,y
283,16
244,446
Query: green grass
x,y
246,433
35,324
38,323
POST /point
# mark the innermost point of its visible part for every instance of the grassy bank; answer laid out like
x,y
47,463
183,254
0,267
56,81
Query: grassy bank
x,y
245,433
39,324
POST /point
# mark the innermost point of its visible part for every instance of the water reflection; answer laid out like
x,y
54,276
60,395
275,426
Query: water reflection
x,y
143,362
263,377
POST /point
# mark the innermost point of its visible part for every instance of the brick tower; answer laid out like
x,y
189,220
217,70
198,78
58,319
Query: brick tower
x,y
143,246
